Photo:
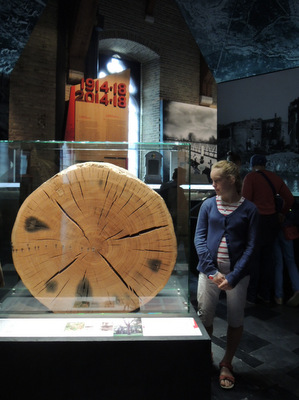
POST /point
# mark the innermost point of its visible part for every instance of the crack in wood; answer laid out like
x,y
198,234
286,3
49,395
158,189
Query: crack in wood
x,y
142,205
123,189
143,232
60,271
81,190
112,236
107,178
112,202
143,284
154,250
115,198
102,210
128,201
58,294
75,201
68,216
120,277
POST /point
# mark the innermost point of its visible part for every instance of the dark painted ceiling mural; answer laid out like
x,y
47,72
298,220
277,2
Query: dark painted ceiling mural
x,y
243,38
17,20
238,38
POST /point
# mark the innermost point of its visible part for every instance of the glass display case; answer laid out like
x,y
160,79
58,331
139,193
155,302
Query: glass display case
x,y
95,258
52,218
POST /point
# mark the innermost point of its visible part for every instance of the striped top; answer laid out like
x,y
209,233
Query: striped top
x,y
225,209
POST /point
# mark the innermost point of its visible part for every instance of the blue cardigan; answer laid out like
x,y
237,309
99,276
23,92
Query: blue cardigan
x,y
240,228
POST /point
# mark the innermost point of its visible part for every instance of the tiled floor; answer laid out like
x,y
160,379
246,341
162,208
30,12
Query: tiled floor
x,y
266,366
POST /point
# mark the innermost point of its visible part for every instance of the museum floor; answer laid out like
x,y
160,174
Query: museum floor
x,y
266,365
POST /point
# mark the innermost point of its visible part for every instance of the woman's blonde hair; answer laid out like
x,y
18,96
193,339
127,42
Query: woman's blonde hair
x,y
230,169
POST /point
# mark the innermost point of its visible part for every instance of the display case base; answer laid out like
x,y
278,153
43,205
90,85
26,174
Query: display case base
x,y
120,366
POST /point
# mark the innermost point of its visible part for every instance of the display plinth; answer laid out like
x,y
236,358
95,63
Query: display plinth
x,y
165,360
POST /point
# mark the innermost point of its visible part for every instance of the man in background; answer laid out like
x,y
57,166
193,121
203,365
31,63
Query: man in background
x,y
256,188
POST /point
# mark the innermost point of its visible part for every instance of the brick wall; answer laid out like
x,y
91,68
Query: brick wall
x,y
32,99
169,57
150,102
174,74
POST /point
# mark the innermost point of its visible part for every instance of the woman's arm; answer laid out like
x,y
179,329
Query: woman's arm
x,y
242,266
206,263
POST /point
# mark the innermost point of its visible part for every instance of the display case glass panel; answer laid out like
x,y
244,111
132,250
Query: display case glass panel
x,y
49,198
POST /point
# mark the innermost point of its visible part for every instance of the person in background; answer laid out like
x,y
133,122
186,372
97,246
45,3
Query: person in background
x,y
257,189
285,256
235,158
225,241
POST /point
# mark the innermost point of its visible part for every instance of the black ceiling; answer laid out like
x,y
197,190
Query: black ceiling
x,y
238,38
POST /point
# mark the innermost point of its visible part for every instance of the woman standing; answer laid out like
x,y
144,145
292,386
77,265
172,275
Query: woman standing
x,y
225,240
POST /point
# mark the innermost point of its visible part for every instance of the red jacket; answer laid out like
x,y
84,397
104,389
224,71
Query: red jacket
x,y
257,189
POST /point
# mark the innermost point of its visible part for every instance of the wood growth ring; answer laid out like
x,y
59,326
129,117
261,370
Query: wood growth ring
x,y
94,236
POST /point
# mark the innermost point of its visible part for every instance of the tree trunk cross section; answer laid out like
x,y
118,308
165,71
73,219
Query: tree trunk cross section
x,y
94,237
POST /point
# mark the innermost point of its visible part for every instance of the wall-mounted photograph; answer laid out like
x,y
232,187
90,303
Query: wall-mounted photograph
x,y
196,125
261,115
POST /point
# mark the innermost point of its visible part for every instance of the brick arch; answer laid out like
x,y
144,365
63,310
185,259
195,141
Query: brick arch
x,y
129,45
144,52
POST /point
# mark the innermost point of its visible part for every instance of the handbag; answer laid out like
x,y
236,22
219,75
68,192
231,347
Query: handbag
x,y
278,200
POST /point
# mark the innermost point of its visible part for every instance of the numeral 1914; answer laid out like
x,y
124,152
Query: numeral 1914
x,y
92,91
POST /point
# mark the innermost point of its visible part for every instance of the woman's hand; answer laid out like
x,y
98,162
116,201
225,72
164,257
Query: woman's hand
x,y
218,278
224,285
221,282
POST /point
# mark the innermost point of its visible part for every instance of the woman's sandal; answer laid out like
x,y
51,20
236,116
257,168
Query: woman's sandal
x,y
226,377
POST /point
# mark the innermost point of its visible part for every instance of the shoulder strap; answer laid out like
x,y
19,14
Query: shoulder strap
x,y
268,180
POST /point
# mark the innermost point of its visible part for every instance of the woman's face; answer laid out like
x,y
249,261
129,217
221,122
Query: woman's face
x,y
223,185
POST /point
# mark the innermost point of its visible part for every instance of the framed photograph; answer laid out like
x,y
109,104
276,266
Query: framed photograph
x,y
196,125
